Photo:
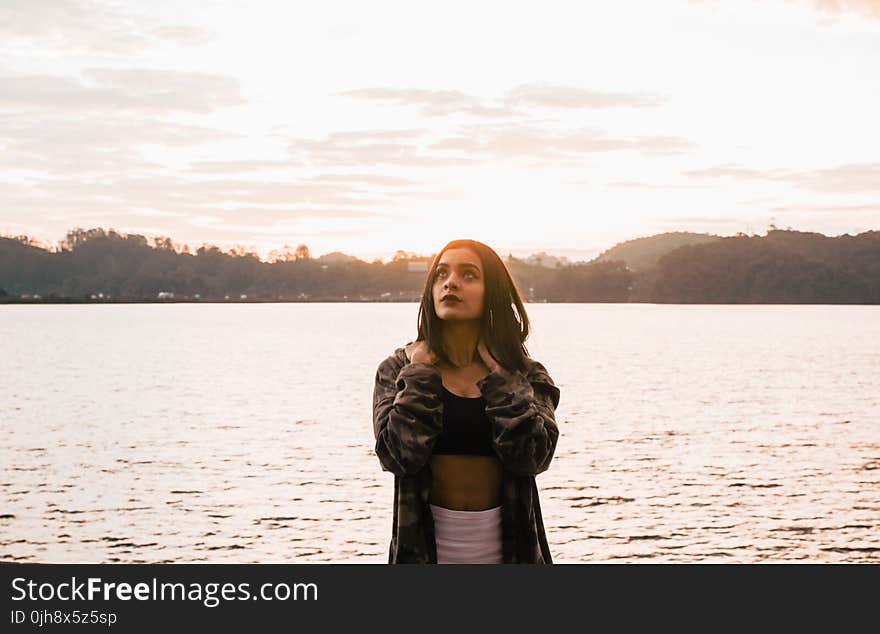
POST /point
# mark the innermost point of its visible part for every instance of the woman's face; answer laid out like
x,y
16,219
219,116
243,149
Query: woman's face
x,y
459,274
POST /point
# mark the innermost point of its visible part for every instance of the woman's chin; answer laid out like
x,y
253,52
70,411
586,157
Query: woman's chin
x,y
452,315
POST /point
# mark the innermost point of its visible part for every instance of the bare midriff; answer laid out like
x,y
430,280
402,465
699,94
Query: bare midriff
x,y
461,482
466,483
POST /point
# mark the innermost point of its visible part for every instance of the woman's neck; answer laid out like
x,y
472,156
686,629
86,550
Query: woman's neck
x,y
460,341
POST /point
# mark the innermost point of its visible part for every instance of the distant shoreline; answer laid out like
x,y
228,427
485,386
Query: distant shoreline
x,y
113,300
783,267
75,300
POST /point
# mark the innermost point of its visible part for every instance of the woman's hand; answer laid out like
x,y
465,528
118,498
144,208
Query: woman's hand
x,y
418,352
487,358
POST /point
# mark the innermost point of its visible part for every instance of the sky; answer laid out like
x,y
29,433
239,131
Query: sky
x,y
369,127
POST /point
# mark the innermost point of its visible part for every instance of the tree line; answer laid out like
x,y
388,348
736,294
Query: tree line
x,y
781,267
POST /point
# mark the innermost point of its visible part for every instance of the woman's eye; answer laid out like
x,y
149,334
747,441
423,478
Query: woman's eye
x,y
468,273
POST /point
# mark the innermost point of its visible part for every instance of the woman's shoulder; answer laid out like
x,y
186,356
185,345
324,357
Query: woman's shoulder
x,y
540,379
535,370
396,359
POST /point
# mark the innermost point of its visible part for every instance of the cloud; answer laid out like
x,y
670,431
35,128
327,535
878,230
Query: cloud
x,y
449,102
382,147
257,229
430,102
371,136
191,196
184,34
851,178
100,123
474,144
557,96
868,8
94,145
237,167
94,169
539,144
856,177
705,221
732,171
293,211
257,165
166,195
379,180
136,91
643,185
154,213
87,27
830,209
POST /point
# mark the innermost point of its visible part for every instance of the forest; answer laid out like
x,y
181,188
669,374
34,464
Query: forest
x,y
784,266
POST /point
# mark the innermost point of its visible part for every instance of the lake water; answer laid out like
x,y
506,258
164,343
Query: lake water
x,y
243,433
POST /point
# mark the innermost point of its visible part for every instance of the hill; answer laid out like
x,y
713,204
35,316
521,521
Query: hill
x,y
641,254
783,267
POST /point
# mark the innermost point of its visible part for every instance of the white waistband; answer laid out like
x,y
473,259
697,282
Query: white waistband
x,y
441,510
467,536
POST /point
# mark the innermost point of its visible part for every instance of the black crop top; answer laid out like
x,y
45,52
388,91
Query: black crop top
x,y
466,428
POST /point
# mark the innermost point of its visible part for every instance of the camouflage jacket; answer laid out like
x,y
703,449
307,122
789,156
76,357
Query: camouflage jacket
x,y
408,418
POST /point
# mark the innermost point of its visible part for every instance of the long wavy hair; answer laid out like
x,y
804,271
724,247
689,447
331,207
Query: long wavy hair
x,y
504,324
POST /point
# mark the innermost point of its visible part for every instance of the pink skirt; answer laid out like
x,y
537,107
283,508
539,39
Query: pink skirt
x,y
467,537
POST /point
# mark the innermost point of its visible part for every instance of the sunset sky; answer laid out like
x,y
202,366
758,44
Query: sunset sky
x,y
368,127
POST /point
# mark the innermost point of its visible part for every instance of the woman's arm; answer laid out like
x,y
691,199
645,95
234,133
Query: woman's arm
x,y
407,413
522,410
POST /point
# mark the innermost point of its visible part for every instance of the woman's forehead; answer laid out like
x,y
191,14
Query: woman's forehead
x,y
459,257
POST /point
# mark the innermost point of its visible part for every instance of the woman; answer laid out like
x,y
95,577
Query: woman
x,y
464,419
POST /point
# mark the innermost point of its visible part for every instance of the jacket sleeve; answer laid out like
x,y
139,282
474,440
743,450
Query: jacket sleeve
x,y
522,410
407,414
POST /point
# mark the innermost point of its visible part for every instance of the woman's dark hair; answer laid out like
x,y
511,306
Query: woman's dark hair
x,y
504,326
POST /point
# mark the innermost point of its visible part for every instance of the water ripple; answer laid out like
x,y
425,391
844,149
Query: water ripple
x,y
687,433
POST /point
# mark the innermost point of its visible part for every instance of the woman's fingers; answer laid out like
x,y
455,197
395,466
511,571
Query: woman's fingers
x,y
418,352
